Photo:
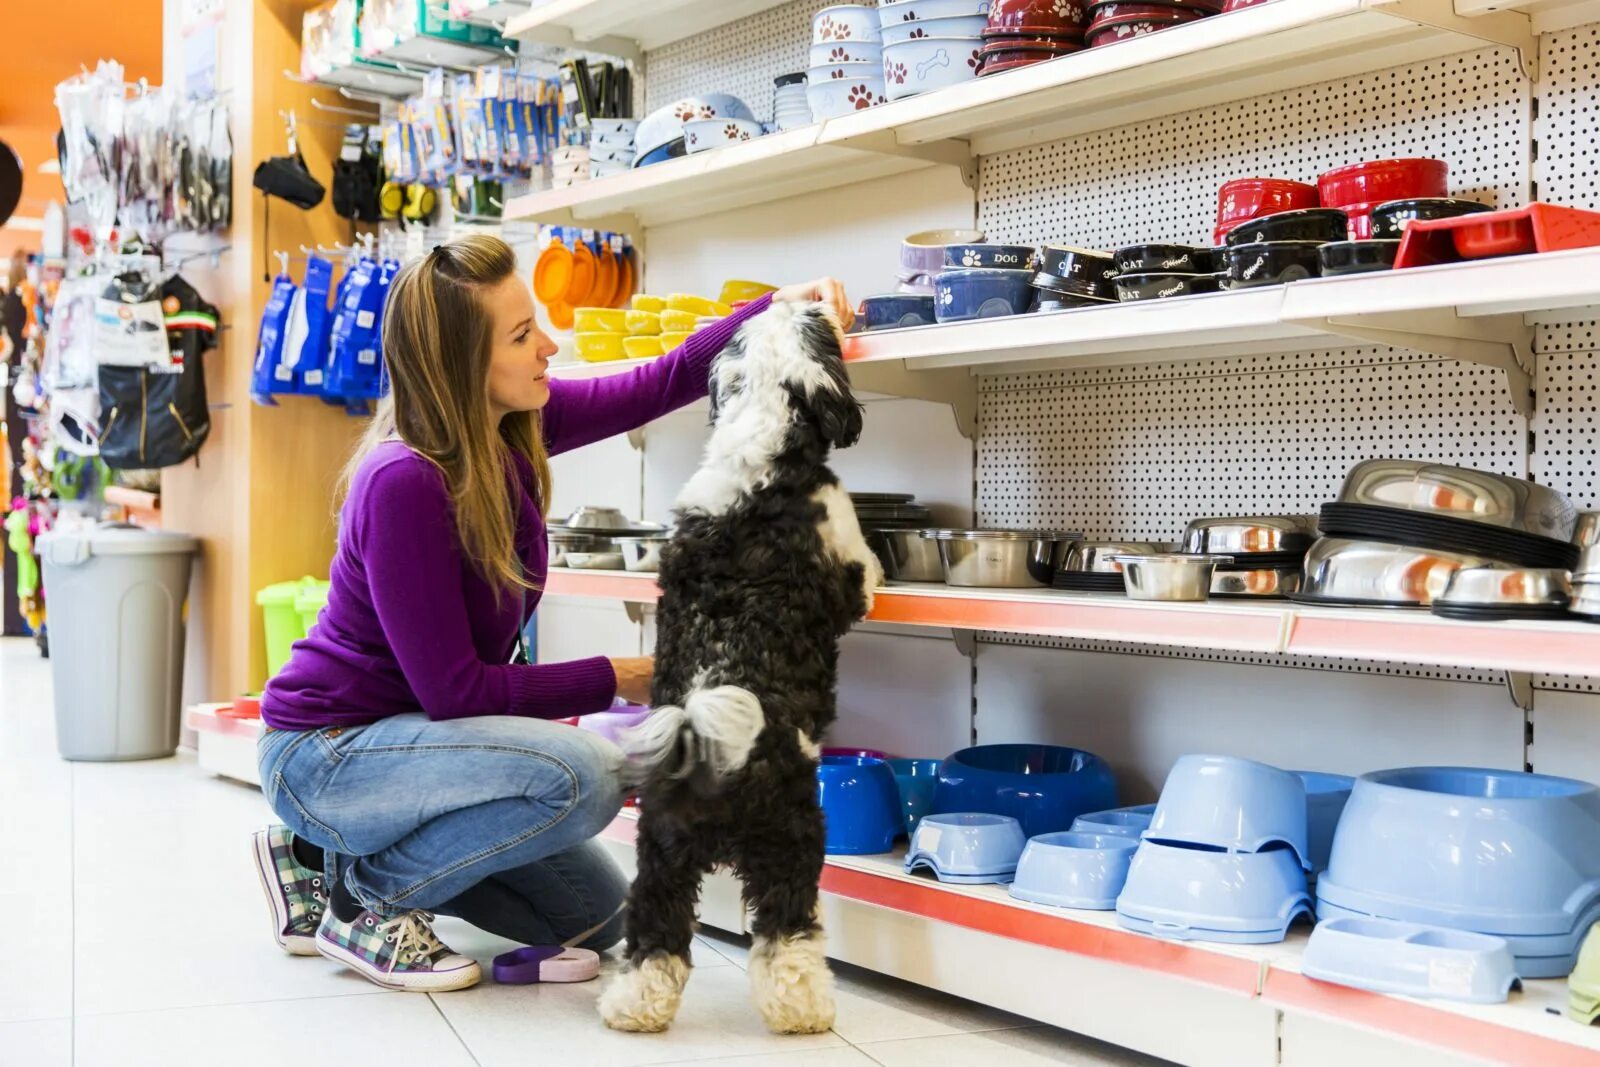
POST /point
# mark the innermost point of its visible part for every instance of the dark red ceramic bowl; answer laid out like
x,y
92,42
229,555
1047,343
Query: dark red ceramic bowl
x,y
1041,34
1113,8
1000,62
1380,180
1061,14
1250,198
1240,5
1126,27
1060,48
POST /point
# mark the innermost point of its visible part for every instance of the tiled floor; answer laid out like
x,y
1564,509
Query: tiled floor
x,y
136,935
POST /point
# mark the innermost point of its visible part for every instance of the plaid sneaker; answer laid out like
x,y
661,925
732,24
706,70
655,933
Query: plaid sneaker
x,y
399,953
295,895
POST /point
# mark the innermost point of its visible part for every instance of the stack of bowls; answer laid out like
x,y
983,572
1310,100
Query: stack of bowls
x,y
1586,576
922,257
930,44
846,71
611,146
789,108
892,524
601,333
586,540
1225,856
569,165
1021,33
1000,559
1116,20
702,135
1280,248
1095,567
660,135
1159,271
983,282
1388,221
1243,199
1267,551
1358,188
1072,278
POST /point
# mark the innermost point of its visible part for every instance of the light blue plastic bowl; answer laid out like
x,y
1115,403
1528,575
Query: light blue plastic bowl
x,y
916,779
1493,852
1073,870
1188,893
860,805
1129,822
967,847
1234,804
1411,960
1326,796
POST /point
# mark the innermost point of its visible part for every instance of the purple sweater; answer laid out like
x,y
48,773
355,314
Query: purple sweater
x,y
410,626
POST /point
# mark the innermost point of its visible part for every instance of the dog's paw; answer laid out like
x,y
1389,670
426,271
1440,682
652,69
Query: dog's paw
x,y
643,998
792,985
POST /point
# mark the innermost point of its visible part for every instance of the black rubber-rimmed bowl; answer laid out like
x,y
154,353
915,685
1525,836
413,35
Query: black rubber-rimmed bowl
x,y
1273,263
1161,285
1077,265
1389,219
1357,257
1322,224
1445,533
1180,259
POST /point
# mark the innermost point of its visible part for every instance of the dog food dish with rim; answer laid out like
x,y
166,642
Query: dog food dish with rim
x,y
1243,199
1129,822
1311,224
704,134
845,96
1342,570
908,556
1044,787
860,804
927,10
845,22
1381,180
1074,870
1237,805
980,293
1247,535
1051,16
1175,259
1357,257
990,257
833,53
894,310
1461,492
1272,263
1163,286
1198,894
1389,219
916,779
1501,593
970,848
962,27
1171,576
1506,853
1000,559
1409,959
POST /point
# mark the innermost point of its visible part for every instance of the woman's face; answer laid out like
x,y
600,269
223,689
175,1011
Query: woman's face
x,y
520,355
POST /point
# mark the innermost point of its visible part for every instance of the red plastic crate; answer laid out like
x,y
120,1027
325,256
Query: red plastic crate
x,y
1513,232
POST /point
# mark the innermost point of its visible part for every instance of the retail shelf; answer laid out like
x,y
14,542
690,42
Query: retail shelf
x,y
604,25
1408,636
1547,15
946,921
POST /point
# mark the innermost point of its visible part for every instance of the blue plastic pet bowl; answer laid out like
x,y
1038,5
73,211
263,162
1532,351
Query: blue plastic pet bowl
x,y
1070,870
1492,852
1196,893
1129,822
1043,787
1326,796
916,779
1411,960
860,804
1234,804
967,847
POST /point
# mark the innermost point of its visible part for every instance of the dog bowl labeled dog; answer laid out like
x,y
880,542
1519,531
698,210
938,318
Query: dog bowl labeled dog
x,y
1234,804
860,804
1494,852
970,848
1043,787
916,779
1189,893
1326,796
995,257
1129,822
1074,870
1411,960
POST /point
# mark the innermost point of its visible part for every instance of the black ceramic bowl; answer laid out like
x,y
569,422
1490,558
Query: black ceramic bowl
x,y
1049,301
1273,263
1389,219
1078,265
1158,285
1321,224
1051,285
1357,257
1173,259
987,257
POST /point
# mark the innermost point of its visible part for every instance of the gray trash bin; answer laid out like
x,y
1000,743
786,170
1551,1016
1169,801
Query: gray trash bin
x,y
115,596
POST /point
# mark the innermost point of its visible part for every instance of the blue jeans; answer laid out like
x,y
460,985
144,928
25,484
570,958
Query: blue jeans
x,y
490,819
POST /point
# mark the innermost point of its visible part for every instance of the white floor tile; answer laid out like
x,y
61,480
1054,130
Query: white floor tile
x,y
383,1028
503,1024
843,1056
1037,1047
40,1043
732,947
873,1007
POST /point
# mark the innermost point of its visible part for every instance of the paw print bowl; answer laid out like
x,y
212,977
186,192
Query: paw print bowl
x,y
1001,257
837,97
1044,787
665,125
845,22
927,63
891,11
981,293
704,134
1074,870
962,26
1054,16
833,53
860,804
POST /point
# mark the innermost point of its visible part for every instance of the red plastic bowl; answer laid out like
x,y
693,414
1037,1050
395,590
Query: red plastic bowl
x,y
1384,179
1495,237
1061,14
1244,199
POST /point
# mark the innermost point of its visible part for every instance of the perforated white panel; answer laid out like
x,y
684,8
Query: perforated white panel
x,y
740,58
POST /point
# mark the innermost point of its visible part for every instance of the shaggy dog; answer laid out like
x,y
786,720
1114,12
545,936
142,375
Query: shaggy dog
x,y
766,571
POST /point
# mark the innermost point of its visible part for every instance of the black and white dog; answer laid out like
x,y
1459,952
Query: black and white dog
x,y
766,571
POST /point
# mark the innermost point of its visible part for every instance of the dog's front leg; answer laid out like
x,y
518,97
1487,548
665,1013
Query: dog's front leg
x,y
841,535
645,995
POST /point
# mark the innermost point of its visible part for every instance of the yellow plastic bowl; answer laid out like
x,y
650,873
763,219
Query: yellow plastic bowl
x,y
646,302
737,289
697,305
600,347
642,347
679,321
601,320
669,341
644,323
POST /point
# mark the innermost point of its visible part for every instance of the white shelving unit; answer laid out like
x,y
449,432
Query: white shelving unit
x,y
630,25
1547,15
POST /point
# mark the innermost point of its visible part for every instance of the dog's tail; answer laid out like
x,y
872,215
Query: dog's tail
x,y
707,739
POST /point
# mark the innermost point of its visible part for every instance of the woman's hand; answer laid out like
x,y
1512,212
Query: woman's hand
x,y
633,678
829,291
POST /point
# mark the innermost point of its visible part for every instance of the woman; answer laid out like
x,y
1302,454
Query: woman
x,y
411,762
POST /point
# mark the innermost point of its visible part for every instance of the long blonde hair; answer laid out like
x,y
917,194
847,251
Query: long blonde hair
x,y
437,339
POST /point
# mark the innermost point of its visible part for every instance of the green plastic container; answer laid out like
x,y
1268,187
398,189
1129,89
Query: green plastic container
x,y
1583,986
281,620
309,604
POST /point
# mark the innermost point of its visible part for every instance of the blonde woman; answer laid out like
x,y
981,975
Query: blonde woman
x,y
410,760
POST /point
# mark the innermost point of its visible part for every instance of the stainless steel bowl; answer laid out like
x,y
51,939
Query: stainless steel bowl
x,y
1099,557
1170,575
1586,531
1588,568
1344,570
642,553
1244,534
1585,599
1265,582
1513,587
564,541
606,559
597,518
1478,496
999,559
908,556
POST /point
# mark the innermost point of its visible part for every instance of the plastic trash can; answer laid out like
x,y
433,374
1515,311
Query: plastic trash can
x,y
116,596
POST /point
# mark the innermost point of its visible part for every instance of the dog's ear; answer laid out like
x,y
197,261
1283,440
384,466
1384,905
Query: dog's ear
x,y
718,374
837,411
838,415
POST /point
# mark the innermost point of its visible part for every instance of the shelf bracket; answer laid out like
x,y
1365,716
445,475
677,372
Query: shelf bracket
x,y
1511,29
1502,341
952,152
1519,685
956,387
966,642
636,438
635,611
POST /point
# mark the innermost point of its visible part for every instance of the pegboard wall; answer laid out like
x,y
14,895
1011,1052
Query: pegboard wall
x,y
741,58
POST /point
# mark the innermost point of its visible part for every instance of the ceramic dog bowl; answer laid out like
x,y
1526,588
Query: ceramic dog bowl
x,y
916,779
1411,960
835,97
1495,852
1326,796
981,294
1243,199
845,22
1197,894
967,847
923,64
1129,822
920,10
1583,985
1309,224
860,804
1044,787
1234,804
996,257
703,134
830,53
965,27
1389,219
923,252
1273,263
664,125
893,310
1357,257
1074,870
